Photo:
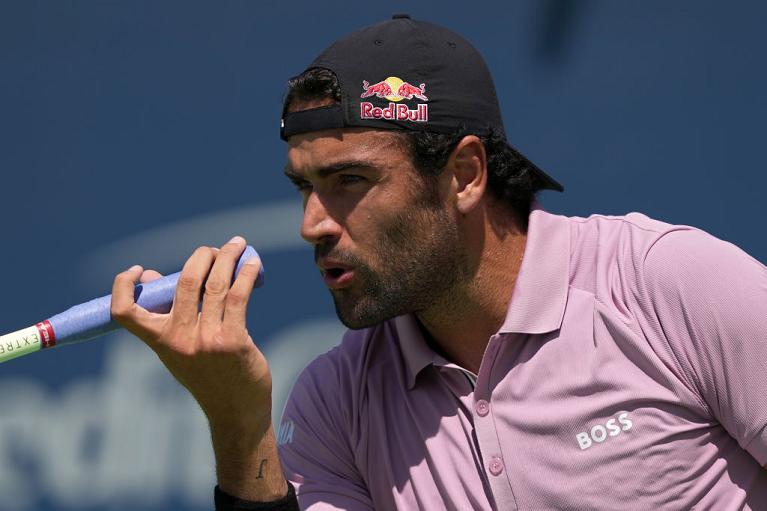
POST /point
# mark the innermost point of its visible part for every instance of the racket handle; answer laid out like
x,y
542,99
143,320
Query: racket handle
x,y
92,319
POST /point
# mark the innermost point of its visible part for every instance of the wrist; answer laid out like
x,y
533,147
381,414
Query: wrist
x,y
247,462
238,439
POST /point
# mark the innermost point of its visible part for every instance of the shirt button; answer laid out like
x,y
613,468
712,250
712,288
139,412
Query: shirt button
x,y
495,466
482,407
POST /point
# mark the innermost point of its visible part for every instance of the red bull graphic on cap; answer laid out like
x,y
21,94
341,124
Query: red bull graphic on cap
x,y
394,90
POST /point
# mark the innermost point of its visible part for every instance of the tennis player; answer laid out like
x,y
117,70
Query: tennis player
x,y
498,356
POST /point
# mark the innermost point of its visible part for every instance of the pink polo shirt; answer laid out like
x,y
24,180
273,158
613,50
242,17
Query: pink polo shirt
x,y
630,373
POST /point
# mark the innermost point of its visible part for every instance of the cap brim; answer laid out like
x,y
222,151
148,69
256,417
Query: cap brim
x,y
544,181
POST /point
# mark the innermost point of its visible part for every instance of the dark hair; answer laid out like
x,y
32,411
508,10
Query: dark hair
x,y
509,174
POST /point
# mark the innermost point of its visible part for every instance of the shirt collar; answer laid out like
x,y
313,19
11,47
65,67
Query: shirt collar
x,y
539,297
415,351
540,294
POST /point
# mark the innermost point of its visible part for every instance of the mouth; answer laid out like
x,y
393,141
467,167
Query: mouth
x,y
336,277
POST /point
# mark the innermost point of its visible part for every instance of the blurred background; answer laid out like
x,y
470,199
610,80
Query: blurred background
x,y
135,131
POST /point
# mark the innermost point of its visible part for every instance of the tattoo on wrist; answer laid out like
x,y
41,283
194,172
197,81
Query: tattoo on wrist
x,y
261,470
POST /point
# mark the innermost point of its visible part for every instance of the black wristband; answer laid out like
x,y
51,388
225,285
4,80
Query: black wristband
x,y
226,502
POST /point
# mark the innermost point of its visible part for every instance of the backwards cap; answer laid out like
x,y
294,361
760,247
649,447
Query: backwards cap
x,y
407,75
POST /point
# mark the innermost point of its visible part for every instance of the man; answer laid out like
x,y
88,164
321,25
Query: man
x,y
498,357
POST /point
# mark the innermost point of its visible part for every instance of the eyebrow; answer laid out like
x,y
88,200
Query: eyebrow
x,y
329,169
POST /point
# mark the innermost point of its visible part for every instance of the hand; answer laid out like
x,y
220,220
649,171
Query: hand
x,y
208,352
211,354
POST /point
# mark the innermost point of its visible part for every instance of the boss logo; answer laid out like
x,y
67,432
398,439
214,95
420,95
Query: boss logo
x,y
599,433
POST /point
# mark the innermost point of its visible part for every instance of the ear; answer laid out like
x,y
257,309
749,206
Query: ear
x,y
468,168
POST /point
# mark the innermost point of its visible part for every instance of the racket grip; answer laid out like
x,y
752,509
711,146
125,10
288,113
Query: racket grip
x,y
93,319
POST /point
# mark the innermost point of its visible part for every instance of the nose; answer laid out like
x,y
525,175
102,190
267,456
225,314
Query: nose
x,y
318,225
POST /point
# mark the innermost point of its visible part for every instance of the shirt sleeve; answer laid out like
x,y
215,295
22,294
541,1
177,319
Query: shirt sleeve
x,y
315,443
711,300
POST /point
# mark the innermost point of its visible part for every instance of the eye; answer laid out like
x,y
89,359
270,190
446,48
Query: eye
x,y
350,179
302,185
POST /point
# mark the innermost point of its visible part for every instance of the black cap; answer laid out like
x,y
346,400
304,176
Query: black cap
x,y
404,74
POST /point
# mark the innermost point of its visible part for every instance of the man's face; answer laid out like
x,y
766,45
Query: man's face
x,y
385,243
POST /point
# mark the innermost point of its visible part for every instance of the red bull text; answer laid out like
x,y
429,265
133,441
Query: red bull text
x,y
395,112
395,90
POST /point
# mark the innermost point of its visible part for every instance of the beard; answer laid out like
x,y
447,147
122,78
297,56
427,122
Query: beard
x,y
418,261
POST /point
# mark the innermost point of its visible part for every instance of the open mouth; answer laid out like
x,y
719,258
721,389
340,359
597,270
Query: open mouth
x,y
335,272
336,278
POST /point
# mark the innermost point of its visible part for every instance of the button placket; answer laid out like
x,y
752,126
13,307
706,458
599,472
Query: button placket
x,y
487,434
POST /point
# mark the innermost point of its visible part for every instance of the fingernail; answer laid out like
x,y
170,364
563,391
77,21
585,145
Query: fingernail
x,y
135,267
253,261
237,239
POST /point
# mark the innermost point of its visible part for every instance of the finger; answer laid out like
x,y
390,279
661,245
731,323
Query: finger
x,y
187,300
127,313
219,281
237,299
149,276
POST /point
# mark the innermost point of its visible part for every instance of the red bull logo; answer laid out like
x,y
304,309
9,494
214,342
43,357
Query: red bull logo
x,y
394,89
380,89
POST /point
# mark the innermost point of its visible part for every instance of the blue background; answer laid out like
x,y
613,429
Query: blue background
x,y
132,132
